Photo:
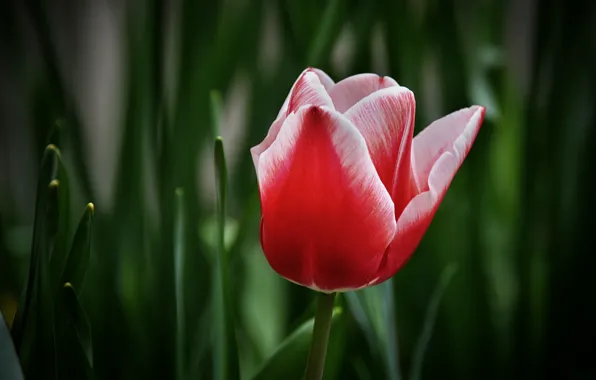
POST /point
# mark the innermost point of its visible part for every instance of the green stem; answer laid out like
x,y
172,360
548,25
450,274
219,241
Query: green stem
x,y
320,337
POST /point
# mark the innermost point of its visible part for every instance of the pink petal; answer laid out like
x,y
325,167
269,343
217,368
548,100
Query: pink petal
x,y
327,219
309,89
437,154
323,79
326,81
386,120
351,90
455,133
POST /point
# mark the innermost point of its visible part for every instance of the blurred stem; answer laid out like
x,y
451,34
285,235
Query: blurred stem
x,y
326,34
179,261
320,338
392,355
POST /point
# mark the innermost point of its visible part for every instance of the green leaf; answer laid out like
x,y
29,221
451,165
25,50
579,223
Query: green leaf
x,y
43,363
24,324
10,368
59,252
429,321
52,211
179,262
208,231
374,311
289,359
78,319
216,107
225,356
75,350
78,259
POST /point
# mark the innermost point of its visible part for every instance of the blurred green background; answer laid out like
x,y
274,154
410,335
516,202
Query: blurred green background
x,y
133,93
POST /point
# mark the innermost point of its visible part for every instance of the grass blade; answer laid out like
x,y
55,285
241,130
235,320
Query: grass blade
x,y
80,251
59,252
374,311
79,320
179,262
46,174
25,326
226,365
216,107
429,321
43,363
73,337
289,359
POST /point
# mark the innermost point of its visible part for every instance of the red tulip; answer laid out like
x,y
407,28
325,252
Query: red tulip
x,y
346,191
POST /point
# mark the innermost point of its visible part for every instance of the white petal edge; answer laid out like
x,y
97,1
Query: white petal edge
x,y
308,91
422,207
423,148
324,79
319,82
373,122
257,150
442,172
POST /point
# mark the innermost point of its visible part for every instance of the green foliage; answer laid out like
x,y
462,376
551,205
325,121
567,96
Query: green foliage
x,y
429,322
50,331
289,358
225,348
174,278
179,262
374,311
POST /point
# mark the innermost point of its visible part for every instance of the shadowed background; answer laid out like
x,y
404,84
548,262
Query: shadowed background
x,y
132,87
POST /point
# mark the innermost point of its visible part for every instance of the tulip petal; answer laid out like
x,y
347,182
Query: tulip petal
x,y
327,219
257,150
326,81
386,120
437,154
323,78
351,90
453,133
308,89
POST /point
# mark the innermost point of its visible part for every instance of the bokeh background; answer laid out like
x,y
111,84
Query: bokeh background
x,y
501,287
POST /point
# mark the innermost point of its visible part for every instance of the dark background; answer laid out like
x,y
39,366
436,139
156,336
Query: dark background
x,y
129,82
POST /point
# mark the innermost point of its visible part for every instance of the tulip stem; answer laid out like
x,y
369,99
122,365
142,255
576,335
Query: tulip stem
x,y
320,337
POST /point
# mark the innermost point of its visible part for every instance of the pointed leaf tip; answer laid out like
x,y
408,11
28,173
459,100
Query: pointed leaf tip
x,y
52,148
216,107
91,208
78,258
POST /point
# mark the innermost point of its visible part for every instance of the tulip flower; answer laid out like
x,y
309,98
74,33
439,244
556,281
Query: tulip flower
x,y
346,191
